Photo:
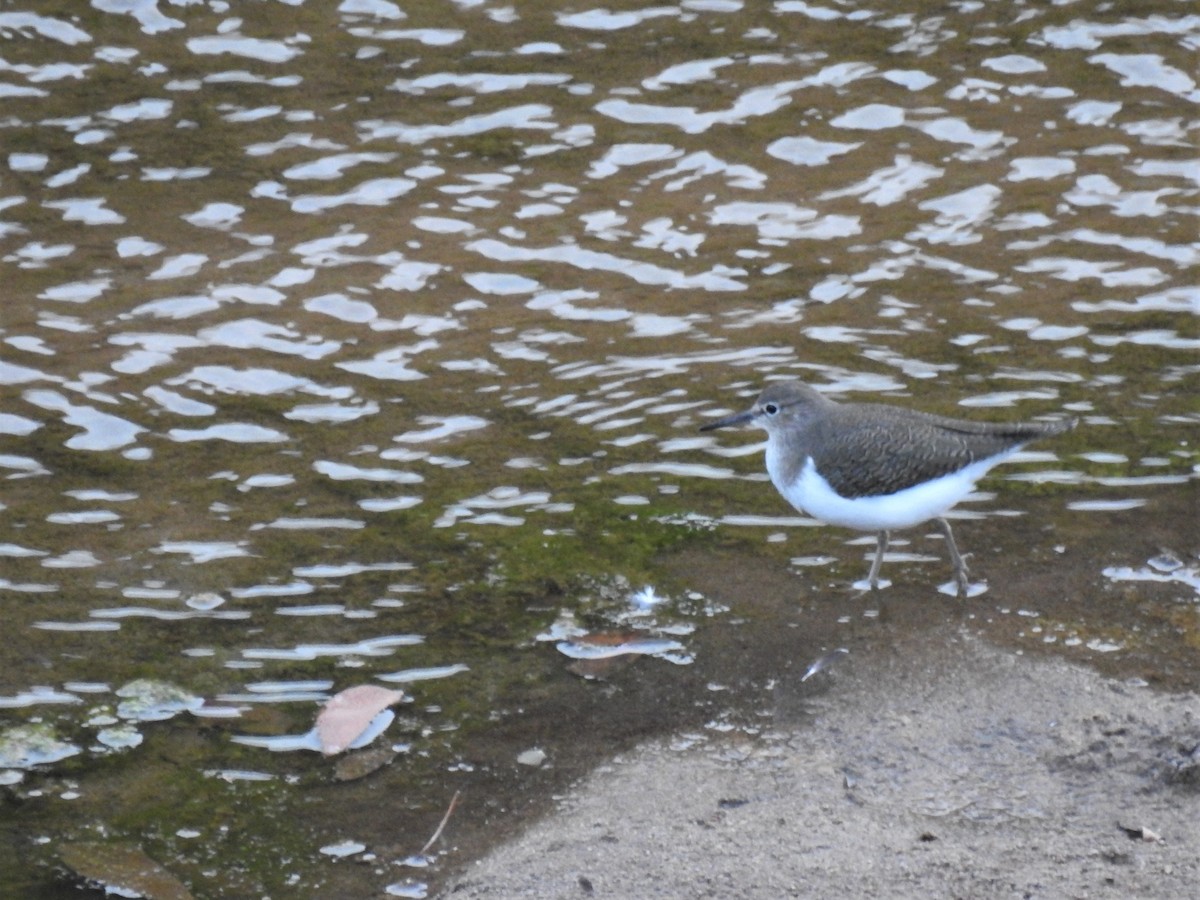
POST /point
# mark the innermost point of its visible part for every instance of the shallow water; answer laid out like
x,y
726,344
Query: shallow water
x,y
356,343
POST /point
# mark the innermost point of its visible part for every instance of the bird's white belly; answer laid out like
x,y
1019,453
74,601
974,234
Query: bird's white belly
x,y
812,495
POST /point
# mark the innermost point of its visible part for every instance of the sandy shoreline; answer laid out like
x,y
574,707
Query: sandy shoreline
x,y
978,773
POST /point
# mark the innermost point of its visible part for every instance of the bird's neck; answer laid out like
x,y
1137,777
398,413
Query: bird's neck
x,y
785,459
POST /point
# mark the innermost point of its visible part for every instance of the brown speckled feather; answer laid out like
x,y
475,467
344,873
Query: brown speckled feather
x,y
869,449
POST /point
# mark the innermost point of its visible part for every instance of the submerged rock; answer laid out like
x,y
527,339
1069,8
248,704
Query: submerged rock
x,y
26,746
122,869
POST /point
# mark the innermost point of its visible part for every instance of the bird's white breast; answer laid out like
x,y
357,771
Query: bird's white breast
x,y
812,494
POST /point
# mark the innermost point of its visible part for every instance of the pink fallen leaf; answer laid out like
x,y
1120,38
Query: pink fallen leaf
x,y
346,715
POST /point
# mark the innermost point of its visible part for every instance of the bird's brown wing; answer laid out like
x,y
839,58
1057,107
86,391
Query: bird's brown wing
x,y
867,450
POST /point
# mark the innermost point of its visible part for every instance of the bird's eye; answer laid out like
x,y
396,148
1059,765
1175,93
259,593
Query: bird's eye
x,y
770,409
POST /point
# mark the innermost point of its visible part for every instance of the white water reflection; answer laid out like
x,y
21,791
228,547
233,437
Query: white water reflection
x,y
378,646
234,432
204,551
310,740
100,430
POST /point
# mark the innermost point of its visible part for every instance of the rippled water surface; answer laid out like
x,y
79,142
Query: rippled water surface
x,y
366,342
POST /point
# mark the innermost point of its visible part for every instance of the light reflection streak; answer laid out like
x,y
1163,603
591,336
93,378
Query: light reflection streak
x,y
379,646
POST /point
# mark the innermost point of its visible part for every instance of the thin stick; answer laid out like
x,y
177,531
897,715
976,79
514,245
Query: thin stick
x,y
441,825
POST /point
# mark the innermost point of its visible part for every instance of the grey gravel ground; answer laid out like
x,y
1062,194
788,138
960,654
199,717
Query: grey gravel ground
x,y
971,772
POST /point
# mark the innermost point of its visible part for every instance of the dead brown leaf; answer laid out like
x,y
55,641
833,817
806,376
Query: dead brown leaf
x,y
347,714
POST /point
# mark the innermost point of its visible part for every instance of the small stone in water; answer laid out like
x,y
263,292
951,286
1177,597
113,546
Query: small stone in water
x,y
534,757
122,869
205,601
363,763
344,848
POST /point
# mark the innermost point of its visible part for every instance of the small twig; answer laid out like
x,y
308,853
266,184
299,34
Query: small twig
x,y
442,824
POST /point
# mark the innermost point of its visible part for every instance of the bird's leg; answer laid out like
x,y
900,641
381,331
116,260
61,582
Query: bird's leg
x,y
956,560
881,545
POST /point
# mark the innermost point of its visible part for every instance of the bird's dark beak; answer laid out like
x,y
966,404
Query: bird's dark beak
x,y
738,419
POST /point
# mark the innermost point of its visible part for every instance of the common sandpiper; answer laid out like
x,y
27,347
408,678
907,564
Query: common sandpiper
x,y
874,467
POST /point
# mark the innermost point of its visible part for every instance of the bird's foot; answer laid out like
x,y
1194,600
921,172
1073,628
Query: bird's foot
x,y
868,584
954,589
961,586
